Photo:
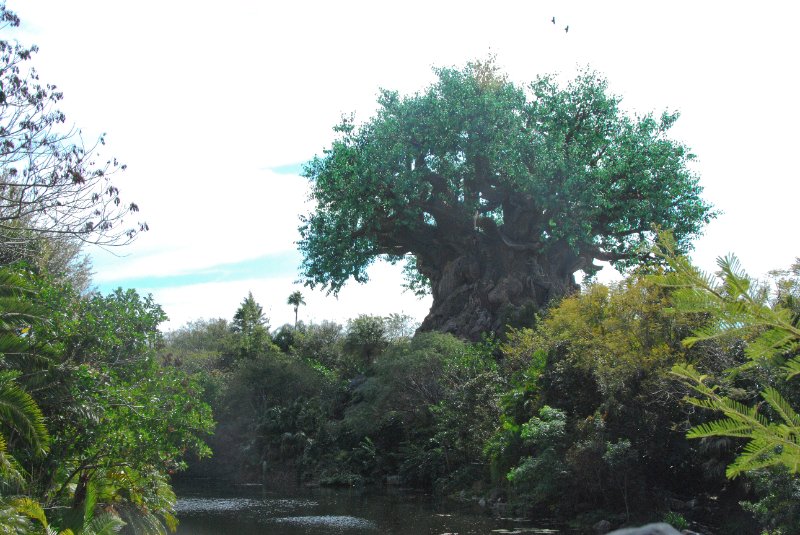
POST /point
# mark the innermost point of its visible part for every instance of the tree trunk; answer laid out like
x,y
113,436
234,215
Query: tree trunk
x,y
485,287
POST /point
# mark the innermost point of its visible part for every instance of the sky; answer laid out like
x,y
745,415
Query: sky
x,y
215,107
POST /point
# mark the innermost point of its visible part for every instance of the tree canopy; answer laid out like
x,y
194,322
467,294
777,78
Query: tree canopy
x,y
496,193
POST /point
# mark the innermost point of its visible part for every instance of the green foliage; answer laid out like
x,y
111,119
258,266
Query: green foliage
x,y
271,409
250,324
285,336
19,412
90,424
320,344
543,475
399,327
589,408
741,312
365,339
201,343
778,508
769,443
737,307
676,520
21,419
541,167
547,430
117,420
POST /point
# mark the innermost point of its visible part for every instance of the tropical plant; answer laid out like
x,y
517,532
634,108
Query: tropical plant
x,y
119,421
736,306
20,416
600,358
296,299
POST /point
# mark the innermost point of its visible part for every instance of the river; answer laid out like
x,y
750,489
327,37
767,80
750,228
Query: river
x,y
216,508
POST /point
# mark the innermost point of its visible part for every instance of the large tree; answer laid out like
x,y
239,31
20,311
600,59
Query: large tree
x,y
495,193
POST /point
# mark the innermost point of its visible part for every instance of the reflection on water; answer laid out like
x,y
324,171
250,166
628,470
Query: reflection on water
x,y
206,508
189,506
344,524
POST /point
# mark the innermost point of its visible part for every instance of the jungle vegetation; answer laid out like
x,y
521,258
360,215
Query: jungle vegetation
x,y
591,413
91,423
666,395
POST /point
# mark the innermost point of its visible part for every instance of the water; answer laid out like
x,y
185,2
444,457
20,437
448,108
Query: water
x,y
227,509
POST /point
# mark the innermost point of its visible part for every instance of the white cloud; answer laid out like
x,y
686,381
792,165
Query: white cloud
x,y
246,216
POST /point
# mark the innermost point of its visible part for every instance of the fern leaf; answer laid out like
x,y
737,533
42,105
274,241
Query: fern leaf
x,y
792,367
737,468
725,427
769,344
782,407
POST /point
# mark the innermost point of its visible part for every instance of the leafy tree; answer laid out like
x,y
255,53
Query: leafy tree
x,y
399,326
319,343
119,421
50,183
250,324
496,193
365,339
285,336
268,397
296,299
199,345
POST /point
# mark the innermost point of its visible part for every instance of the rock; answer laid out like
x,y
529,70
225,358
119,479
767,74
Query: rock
x,y
496,495
677,505
604,526
660,528
500,508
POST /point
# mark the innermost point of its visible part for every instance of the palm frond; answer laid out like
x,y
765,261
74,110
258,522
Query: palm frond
x,y
144,522
103,524
19,410
31,509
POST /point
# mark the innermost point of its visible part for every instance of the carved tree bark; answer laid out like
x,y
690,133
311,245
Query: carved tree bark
x,y
490,284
